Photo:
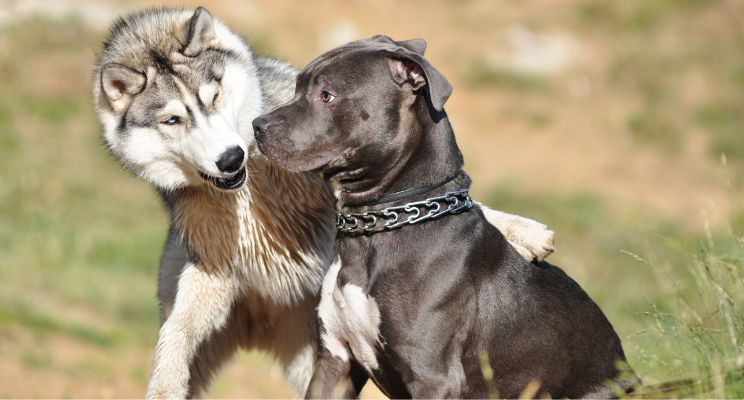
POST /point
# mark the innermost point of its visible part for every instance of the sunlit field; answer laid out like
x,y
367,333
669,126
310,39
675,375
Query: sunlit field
x,y
620,125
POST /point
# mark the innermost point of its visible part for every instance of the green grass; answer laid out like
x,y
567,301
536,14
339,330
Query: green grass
x,y
41,322
75,229
699,332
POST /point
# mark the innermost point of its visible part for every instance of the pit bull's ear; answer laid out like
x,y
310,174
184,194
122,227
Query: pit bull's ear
x,y
198,33
120,83
413,69
417,46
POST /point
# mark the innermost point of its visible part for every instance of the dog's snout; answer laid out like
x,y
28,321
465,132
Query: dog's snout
x,y
260,127
231,160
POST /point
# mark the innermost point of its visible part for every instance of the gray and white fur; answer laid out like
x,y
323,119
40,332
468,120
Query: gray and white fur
x,y
249,243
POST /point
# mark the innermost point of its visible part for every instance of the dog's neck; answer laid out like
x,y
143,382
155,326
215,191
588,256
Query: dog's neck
x,y
435,159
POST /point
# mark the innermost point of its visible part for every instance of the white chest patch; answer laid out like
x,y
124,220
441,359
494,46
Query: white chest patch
x,y
351,320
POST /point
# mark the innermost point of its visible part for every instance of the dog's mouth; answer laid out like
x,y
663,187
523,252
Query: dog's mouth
x,y
234,182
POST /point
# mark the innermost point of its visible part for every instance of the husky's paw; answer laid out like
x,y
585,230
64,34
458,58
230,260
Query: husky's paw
x,y
164,394
530,238
160,388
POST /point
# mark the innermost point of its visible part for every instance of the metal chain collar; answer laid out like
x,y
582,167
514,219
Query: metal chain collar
x,y
390,218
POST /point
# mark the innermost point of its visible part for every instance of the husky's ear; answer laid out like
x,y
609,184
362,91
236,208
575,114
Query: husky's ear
x,y
120,83
198,32
411,68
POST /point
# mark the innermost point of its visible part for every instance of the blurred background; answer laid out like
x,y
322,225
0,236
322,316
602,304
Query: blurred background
x,y
618,124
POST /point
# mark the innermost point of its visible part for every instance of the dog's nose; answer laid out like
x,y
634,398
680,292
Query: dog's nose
x,y
260,127
231,160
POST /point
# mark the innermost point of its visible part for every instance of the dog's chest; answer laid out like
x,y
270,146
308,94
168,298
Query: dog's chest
x,y
351,320
242,234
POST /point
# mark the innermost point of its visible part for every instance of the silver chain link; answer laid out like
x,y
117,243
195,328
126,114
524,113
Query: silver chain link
x,y
390,218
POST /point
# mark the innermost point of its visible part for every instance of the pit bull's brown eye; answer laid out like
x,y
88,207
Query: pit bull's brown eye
x,y
327,97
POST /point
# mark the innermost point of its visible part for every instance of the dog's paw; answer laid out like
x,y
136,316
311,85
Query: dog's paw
x,y
530,238
164,385
164,394
533,242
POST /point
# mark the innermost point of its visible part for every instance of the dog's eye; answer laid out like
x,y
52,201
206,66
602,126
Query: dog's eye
x,y
215,97
171,121
327,97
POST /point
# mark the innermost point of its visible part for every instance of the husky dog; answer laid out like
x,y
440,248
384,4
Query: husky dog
x,y
249,243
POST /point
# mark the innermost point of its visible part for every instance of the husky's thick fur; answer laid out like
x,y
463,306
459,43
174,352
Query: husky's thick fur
x,y
249,243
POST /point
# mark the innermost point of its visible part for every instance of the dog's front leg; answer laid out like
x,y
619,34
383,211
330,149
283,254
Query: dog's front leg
x,y
530,238
202,305
336,376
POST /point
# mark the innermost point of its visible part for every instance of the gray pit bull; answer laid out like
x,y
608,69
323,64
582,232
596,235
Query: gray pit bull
x,y
421,285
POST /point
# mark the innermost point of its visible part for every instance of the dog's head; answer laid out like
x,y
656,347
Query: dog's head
x,y
354,114
172,91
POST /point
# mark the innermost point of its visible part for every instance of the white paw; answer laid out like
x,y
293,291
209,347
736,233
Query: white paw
x,y
530,238
171,384
164,394
533,241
